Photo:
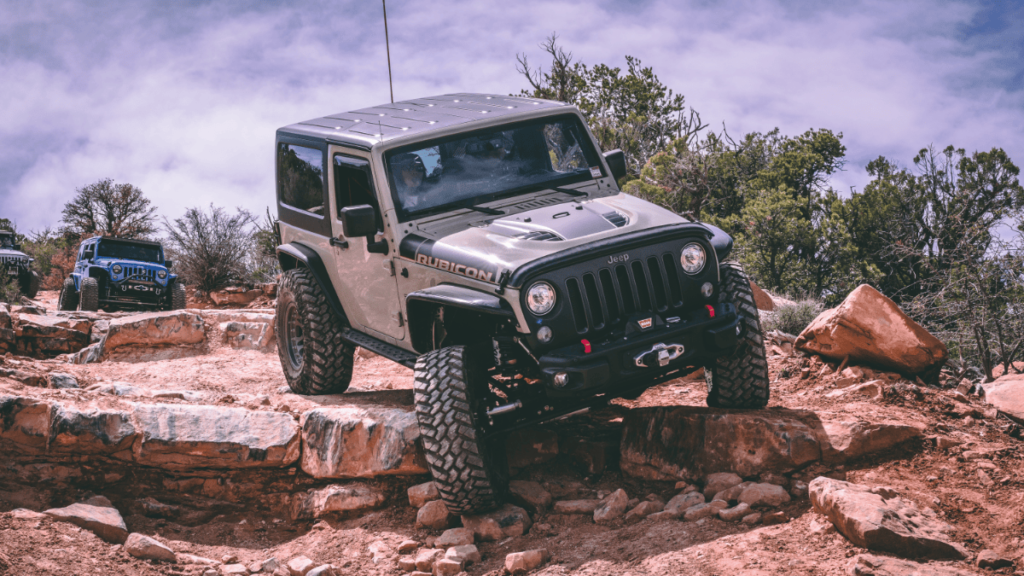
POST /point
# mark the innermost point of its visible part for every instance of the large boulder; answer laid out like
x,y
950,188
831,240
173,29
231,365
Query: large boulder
x,y
337,498
351,442
24,423
179,436
874,522
689,443
155,329
762,299
1006,394
868,328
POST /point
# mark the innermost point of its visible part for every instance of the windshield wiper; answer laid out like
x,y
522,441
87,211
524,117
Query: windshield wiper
x,y
571,192
486,210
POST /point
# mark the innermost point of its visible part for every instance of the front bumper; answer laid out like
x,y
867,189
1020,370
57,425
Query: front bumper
x,y
632,359
132,293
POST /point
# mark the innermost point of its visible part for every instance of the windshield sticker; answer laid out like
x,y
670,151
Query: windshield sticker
x,y
595,172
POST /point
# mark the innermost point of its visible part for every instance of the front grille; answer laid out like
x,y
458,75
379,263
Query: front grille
x,y
139,274
12,260
607,297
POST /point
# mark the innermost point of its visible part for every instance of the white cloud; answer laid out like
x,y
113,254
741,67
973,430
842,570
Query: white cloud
x,y
182,99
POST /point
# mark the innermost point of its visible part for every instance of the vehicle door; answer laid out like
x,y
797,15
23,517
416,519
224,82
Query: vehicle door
x,y
367,280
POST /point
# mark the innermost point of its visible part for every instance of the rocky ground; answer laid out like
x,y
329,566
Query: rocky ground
x,y
184,432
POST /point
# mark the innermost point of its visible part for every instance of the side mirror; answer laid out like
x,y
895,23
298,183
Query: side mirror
x,y
359,221
616,160
88,254
17,247
168,264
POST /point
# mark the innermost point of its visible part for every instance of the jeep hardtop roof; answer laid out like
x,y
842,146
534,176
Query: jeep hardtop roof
x,y
127,241
366,127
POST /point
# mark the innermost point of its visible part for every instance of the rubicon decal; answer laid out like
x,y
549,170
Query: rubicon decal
x,y
455,267
438,254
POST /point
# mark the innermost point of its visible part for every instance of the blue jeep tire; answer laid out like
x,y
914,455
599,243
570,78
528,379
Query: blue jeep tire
x,y
68,299
177,296
89,295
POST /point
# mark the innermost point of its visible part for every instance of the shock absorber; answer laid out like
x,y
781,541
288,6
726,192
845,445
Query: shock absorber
x,y
504,350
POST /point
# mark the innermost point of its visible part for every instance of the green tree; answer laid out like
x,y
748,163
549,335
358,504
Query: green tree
x,y
105,208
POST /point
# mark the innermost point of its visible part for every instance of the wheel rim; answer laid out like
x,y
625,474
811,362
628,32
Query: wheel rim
x,y
293,331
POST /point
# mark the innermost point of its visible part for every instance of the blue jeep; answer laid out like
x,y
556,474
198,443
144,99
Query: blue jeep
x,y
116,273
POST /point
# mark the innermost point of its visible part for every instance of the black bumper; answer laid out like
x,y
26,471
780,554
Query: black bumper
x,y
611,366
135,294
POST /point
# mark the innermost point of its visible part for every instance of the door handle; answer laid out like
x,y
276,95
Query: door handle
x,y
339,243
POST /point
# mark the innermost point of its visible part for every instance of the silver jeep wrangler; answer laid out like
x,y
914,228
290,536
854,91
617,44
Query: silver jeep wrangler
x,y
483,241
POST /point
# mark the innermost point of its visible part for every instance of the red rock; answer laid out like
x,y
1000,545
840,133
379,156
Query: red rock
x,y
468,554
612,508
643,510
340,499
518,563
576,506
687,443
681,503
299,566
153,329
849,439
890,525
147,548
699,511
105,522
420,494
776,517
764,495
237,297
352,442
761,298
868,328
510,520
447,567
529,495
1006,394
425,558
454,537
434,515
735,513
990,560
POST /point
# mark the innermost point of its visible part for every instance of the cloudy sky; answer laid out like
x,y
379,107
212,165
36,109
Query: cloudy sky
x,y
182,98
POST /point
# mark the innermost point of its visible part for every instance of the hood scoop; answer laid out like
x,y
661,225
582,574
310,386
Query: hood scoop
x,y
562,221
616,218
541,235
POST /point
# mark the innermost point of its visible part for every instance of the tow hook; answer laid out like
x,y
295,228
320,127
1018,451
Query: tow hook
x,y
661,353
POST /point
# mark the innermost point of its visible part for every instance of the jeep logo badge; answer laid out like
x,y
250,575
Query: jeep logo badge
x,y
619,258
645,323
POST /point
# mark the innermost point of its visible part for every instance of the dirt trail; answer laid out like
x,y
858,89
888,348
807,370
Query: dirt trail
x,y
975,486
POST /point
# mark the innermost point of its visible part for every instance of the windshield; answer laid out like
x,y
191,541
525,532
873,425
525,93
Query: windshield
x,y
122,251
469,169
6,241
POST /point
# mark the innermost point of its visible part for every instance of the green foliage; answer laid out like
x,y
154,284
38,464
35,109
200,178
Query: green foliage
x,y
9,291
108,209
792,318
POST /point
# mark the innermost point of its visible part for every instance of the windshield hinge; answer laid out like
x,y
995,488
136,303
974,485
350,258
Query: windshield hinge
x,y
503,281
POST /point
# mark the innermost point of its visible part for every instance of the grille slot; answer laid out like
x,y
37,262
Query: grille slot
x,y
607,296
139,274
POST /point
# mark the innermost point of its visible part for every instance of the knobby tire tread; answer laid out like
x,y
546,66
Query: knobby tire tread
x,y
740,380
327,360
89,297
466,473
177,296
68,299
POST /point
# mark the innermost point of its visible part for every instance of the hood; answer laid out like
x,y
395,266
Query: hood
x,y
9,253
485,247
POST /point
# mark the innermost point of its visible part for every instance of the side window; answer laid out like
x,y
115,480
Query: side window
x,y
352,185
300,178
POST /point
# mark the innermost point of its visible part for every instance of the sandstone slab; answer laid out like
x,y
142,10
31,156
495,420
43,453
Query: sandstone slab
x,y
105,522
871,565
350,442
338,499
95,431
845,440
869,328
147,548
177,436
235,296
687,443
890,525
155,329
24,422
248,335
420,494
529,495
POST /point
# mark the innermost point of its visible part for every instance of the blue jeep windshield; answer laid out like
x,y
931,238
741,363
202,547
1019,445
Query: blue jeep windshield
x,y
127,251
476,167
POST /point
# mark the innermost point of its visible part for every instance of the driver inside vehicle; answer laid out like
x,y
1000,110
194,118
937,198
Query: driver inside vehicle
x,y
411,178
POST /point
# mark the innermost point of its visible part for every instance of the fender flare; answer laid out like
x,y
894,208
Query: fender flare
x,y
720,241
421,303
297,254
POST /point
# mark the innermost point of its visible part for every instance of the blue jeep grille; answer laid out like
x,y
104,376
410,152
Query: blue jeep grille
x,y
139,274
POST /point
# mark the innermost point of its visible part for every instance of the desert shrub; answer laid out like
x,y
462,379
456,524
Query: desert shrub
x,y
213,249
792,318
54,255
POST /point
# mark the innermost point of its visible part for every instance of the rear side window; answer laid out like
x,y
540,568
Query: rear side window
x,y
301,177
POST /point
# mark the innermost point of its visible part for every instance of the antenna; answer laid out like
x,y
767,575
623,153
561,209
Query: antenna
x,y
388,45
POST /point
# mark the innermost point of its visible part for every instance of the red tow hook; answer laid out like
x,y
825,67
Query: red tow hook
x,y
711,310
586,346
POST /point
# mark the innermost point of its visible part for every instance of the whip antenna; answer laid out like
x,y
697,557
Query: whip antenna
x,y
387,44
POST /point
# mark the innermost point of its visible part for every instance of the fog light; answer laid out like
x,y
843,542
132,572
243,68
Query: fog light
x,y
544,334
706,289
561,380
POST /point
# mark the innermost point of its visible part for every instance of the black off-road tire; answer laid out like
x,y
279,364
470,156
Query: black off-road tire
x,y
30,284
740,380
177,296
68,299
313,355
469,471
89,295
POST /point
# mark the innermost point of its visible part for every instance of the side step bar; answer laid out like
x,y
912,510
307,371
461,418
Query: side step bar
x,y
391,352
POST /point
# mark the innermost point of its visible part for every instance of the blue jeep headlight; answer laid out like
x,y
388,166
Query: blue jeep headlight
x,y
116,269
161,274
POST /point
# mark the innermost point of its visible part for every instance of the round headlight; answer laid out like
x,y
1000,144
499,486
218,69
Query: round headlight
x,y
692,258
116,268
540,298
161,274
